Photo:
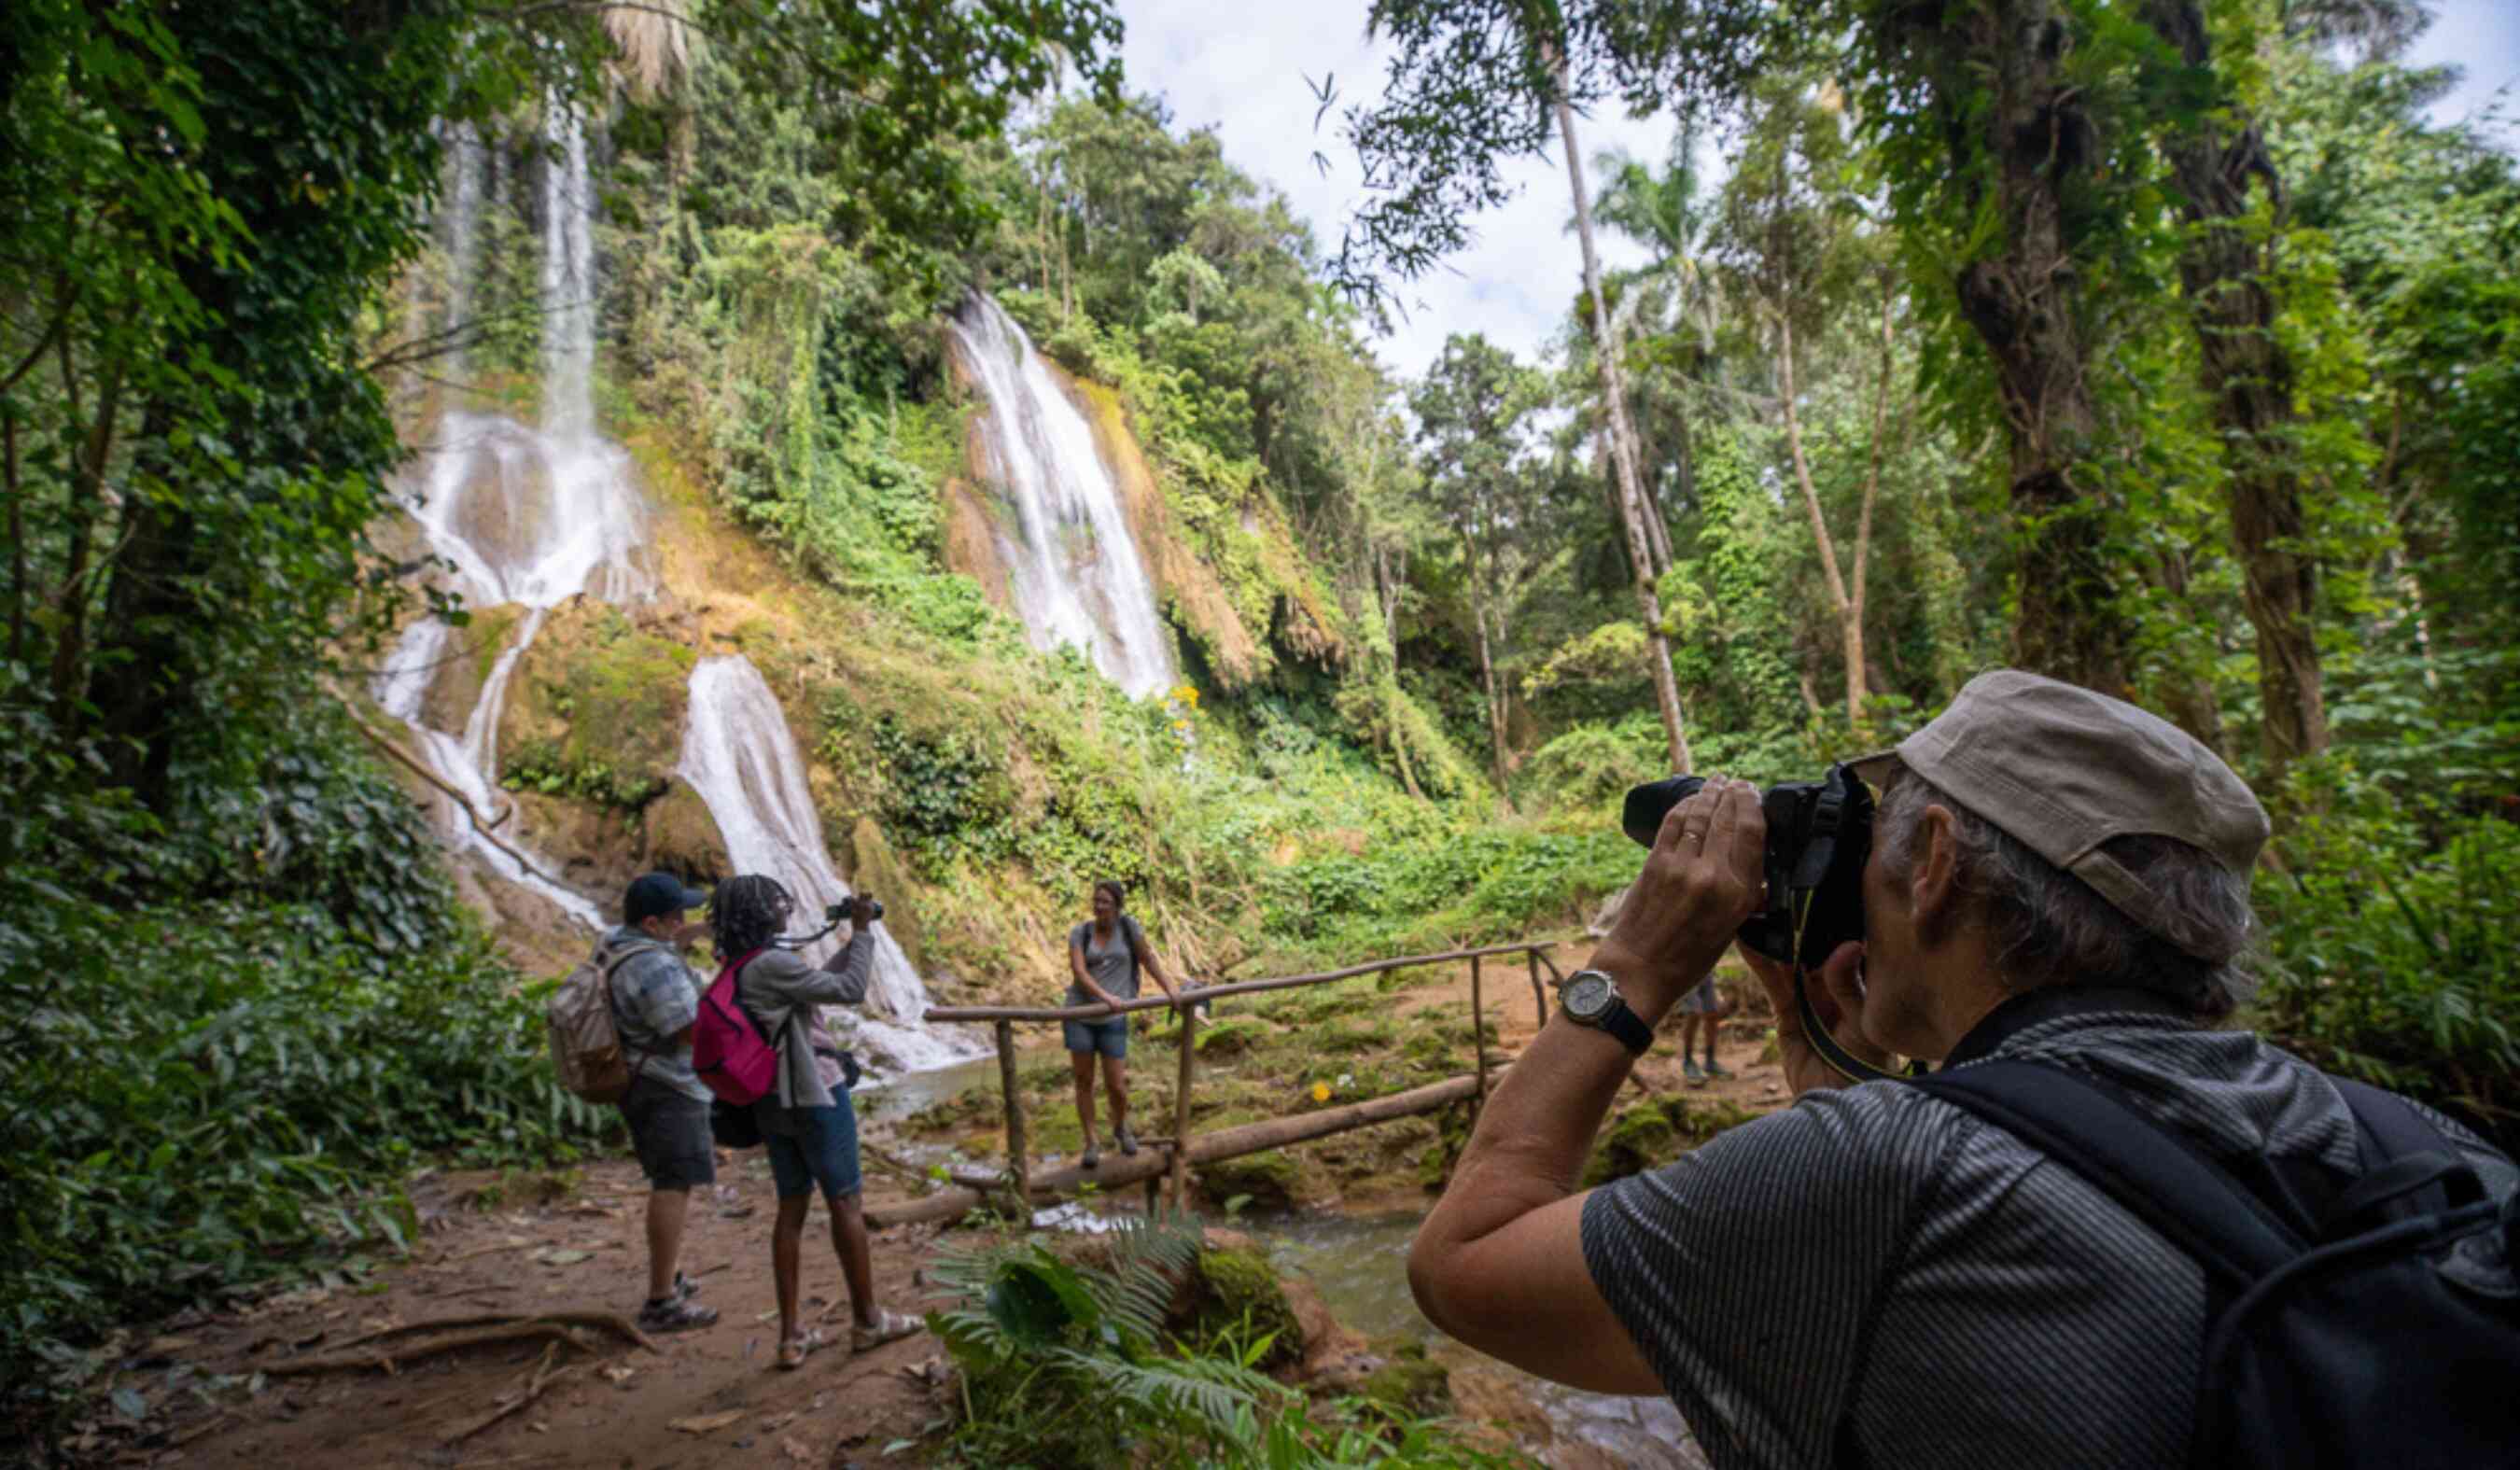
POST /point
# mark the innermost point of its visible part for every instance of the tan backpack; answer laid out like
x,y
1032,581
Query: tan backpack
x,y
585,1037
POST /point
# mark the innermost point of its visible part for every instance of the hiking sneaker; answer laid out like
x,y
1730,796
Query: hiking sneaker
x,y
1128,1139
1689,1069
685,1288
675,1314
1091,1157
1715,1070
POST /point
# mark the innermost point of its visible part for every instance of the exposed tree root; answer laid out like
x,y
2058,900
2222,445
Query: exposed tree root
x,y
464,1332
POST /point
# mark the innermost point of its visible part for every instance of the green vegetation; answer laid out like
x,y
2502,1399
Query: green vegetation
x,y
230,1034
1069,1361
2251,469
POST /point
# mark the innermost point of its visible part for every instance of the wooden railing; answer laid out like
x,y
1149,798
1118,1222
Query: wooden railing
x,y
1176,1149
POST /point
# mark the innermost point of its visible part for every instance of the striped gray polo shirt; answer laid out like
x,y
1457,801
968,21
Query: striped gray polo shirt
x,y
1876,1276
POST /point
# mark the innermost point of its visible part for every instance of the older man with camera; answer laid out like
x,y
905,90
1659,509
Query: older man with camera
x,y
2051,902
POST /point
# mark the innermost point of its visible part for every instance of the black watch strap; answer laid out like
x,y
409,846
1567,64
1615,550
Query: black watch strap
x,y
1631,1031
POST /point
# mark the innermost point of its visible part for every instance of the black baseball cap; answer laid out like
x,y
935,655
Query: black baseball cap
x,y
659,892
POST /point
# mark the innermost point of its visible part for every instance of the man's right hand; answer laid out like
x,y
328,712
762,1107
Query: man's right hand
x,y
861,910
1837,998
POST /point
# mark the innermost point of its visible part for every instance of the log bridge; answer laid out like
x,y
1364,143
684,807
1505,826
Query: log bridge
x,y
1163,1161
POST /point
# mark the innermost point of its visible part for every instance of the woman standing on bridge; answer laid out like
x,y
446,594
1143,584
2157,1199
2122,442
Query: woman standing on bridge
x,y
1104,954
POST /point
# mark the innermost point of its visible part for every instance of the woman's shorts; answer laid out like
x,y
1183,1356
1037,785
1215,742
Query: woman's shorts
x,y
1702,1001
820,1147
1110,1038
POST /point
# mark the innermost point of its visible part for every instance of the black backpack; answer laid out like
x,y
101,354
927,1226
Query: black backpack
x,y
2373,1324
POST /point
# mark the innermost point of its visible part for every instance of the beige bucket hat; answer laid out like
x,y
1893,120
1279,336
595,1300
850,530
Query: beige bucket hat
x,y
2064,769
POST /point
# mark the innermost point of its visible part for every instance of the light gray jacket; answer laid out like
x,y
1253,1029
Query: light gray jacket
x,y
785,993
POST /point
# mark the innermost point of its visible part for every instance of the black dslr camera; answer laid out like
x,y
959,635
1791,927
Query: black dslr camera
x,y
1819,835
834,914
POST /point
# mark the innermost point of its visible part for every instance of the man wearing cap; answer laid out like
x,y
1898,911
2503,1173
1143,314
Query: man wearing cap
x,y
654,1002
1875,1275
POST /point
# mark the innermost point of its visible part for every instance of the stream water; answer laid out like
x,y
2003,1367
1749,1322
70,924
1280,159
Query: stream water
x,y
537,514
1359,1263
1074,569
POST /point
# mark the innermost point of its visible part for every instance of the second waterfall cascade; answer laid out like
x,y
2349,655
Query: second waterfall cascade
x,y
536,515
1074,569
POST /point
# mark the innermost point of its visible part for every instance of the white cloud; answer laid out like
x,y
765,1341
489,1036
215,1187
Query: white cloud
x,y
1244,69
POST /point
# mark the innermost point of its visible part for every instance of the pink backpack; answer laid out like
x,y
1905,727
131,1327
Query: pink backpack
x,y
728,1050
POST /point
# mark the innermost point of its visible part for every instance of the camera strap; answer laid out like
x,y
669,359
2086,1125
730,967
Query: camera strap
x,y
1819,855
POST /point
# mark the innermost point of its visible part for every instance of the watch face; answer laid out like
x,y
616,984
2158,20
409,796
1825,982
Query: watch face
x,y
1587,993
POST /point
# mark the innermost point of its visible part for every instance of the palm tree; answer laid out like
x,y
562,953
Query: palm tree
x,y
1664,212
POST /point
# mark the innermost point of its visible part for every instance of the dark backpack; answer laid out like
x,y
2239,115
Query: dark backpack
x,y
2375,1324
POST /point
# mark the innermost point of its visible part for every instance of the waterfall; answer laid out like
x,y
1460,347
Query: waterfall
x,y
738,755
538,514
1076,575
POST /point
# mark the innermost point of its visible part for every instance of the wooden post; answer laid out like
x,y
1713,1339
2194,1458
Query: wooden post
x,y
1018,1167
1539,996
1181,1107
1479,1026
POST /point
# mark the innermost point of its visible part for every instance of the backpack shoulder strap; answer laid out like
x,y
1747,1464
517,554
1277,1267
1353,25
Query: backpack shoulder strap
x,y
2159,1178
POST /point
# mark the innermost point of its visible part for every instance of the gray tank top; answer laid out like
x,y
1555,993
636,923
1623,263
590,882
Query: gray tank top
x,y
1112,962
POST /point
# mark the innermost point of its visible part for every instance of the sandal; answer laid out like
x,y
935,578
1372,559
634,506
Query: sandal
x,y
889,1326
793,1351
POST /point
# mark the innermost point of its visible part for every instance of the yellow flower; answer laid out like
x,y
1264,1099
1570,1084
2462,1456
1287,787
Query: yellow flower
x,y
1321,1091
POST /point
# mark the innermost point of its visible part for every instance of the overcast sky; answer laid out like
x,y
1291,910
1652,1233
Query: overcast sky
x,y
1242,66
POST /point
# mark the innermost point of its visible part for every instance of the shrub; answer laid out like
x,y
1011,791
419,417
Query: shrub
x,y
226,1038
2396,964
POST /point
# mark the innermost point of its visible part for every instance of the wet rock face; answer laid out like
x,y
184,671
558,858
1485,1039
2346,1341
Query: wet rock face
x,y
502,505
597,709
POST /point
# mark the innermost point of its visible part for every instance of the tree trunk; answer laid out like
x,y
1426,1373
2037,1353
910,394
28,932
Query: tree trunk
x,y
2249,377
2021,302
1854,656
1614,387
1850,628
1487,671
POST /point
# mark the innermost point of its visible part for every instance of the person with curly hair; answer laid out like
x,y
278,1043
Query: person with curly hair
x,y
808,1124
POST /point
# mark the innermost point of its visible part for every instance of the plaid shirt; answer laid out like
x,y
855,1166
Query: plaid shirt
x,y
654,996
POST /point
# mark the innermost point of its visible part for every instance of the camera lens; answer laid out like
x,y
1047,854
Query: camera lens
x,y
1648,805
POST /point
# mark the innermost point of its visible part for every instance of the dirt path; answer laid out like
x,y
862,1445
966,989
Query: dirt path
x,y
701,1398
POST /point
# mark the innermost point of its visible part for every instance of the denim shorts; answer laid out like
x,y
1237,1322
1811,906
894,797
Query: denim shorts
x,y
1110,1038
671,1134
812,1146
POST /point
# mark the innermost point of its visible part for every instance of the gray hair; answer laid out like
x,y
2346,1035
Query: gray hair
x,y
2049,927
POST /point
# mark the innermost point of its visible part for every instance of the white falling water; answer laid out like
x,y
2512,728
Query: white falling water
x,y
738,755
1076,575
538,515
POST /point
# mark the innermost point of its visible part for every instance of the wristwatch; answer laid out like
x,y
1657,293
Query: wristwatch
x,y
1591,997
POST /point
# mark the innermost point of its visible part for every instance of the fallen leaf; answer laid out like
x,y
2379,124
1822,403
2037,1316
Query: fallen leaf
x,y
705,1423
550,1257
131,1403
619,1375
172,1344
798,1450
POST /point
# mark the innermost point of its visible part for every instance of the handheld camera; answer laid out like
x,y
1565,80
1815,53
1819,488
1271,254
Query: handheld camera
x,y
1820,836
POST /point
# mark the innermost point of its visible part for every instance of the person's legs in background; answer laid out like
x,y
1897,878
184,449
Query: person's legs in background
x,y
1080,1056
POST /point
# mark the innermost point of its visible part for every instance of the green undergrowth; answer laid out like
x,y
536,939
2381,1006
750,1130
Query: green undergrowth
x,y
1152,1346
227,1039
2389,954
